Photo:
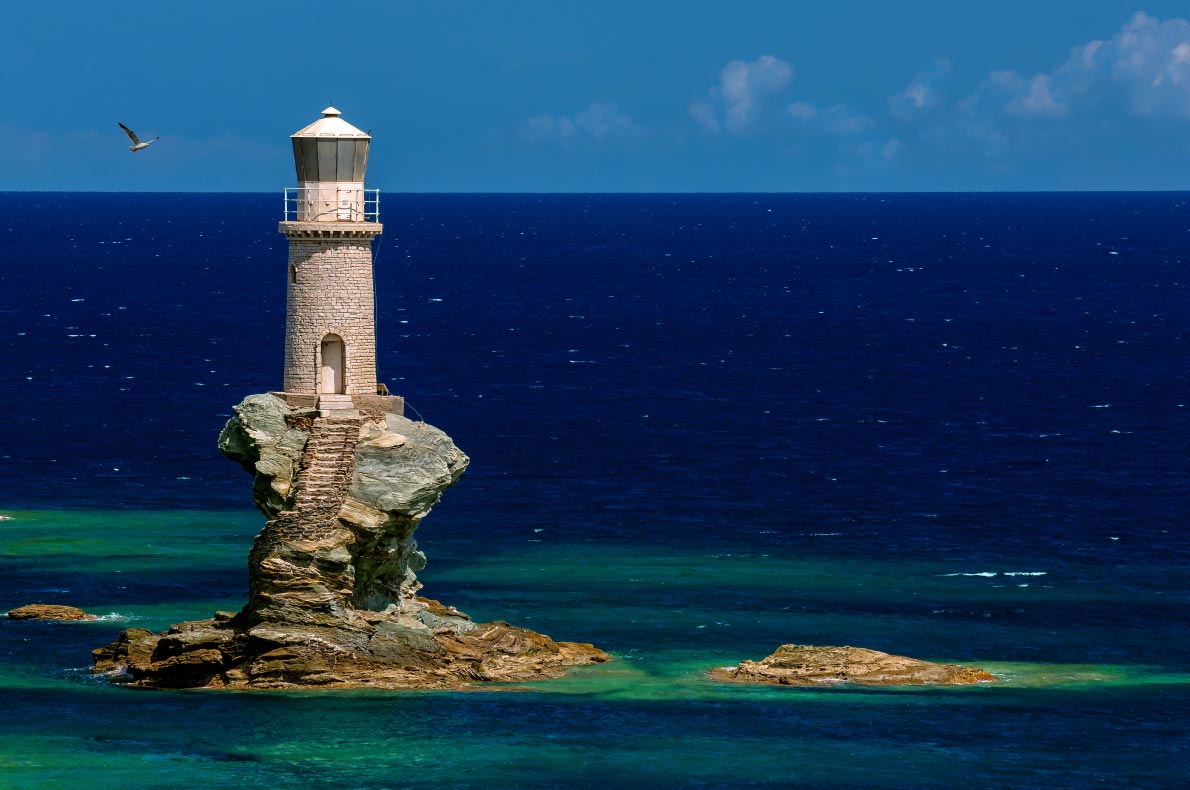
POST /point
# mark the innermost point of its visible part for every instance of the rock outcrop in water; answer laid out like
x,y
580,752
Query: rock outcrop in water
x,y
48,611
332,576
810,665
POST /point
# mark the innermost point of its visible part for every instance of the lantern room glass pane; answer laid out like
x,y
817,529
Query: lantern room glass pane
x,y
346,155
361,160
310,158
326,160
297,160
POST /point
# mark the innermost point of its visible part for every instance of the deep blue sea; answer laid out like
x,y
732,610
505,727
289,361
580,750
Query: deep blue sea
x,y
952,426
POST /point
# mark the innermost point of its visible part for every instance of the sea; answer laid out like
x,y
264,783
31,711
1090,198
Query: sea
x,y
950,426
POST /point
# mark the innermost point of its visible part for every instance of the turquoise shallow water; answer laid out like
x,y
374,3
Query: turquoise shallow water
x,y
650,717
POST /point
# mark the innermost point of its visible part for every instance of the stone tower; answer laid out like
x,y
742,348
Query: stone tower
x,y
330,221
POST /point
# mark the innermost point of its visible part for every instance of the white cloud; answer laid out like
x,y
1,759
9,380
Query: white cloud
x,y
704,115
1035,99
1008,93
598,122
747,93
891,149
748,101
800,111
1150,59
836,120
1143,70
924,92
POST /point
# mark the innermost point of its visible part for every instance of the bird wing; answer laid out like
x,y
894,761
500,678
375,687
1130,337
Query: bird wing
x,y
131,134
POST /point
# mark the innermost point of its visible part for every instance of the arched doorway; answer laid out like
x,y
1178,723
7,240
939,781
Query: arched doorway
x,y
332,377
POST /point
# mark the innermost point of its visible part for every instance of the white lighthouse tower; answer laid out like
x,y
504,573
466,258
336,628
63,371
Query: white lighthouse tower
x,y
330,221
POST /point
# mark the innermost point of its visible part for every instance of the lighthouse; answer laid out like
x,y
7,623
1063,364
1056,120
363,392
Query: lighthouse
x,y
330,221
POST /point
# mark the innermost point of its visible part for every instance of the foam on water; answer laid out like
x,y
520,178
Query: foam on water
x,y
991,574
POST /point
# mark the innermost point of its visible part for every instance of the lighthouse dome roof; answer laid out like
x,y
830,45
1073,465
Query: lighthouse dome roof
x,y
331,124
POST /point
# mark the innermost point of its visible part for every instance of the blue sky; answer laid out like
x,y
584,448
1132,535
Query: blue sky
x,y
605,96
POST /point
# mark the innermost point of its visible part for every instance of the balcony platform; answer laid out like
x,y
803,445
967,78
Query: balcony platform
x,y
331,230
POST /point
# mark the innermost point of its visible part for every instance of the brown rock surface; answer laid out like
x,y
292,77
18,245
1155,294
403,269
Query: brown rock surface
x,y
332,576
422,645
810,665
48,611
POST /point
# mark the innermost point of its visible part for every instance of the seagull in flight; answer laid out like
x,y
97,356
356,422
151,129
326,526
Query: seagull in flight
x,y
136,141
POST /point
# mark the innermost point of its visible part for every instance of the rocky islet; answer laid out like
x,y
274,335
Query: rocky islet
x,y
820,665
49,611
333,575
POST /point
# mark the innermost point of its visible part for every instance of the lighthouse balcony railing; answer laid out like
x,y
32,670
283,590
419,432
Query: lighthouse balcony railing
x,y
331,204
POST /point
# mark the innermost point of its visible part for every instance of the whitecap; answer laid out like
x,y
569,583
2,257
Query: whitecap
x,y
991,574
5,518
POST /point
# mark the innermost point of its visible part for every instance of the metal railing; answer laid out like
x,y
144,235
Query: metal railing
x,y
331,204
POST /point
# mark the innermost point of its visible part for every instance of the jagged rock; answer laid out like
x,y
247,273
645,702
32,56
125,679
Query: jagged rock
x,y
421,645
131,653
333,575
267,438
48,611
810,665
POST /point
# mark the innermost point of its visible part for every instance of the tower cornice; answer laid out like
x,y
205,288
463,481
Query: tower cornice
x,y
331,230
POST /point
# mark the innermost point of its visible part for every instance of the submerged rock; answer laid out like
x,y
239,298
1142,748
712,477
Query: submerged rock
x,y
333,575
48,611
810,665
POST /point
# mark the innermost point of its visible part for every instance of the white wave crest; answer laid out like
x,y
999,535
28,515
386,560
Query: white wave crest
x,y
117,617
990,574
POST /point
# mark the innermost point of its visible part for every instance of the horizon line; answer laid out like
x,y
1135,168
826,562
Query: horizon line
x,y
612,192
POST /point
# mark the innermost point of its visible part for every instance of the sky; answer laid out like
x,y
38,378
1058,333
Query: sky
x,y
608,96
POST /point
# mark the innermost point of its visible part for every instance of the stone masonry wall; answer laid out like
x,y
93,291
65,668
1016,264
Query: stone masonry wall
x,y
332,294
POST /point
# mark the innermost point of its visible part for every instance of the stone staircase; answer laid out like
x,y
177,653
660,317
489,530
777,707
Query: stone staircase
x,y
331,405
327,465
319,489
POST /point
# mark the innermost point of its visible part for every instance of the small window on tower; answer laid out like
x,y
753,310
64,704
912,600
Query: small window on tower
x,y
292,273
